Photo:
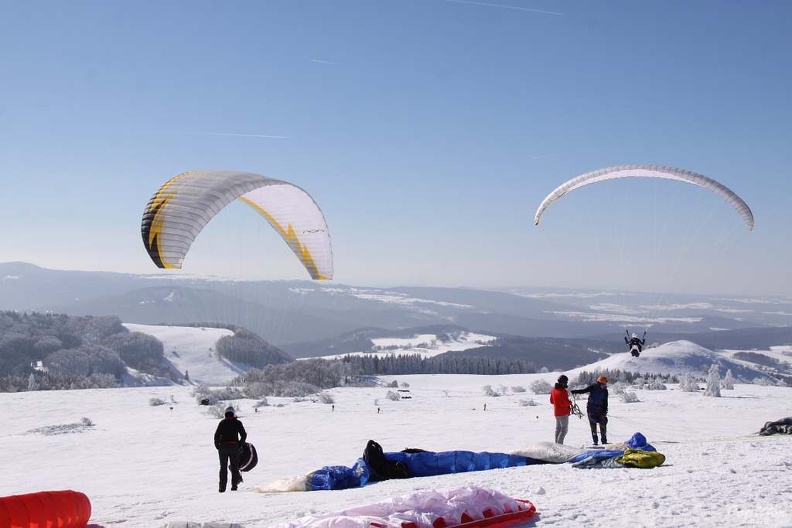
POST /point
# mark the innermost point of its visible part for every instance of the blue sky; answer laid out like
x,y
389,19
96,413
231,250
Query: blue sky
x,y
427,130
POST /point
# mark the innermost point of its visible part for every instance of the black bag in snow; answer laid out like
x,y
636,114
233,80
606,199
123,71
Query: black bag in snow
x,y
382,468
783,426
249,458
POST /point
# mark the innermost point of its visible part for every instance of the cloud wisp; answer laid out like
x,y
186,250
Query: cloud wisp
x,y
515,8
232,134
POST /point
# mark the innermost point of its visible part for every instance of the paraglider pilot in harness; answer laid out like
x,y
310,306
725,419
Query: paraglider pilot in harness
x,y
635,343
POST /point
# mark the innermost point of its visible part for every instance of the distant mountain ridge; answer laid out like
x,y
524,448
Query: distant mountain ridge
x,y
309,318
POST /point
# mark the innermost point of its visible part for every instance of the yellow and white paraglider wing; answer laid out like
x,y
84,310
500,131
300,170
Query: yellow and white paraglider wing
x,y
181,208
648,171
297,218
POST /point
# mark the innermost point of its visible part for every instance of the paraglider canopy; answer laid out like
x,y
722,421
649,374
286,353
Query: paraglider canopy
x,y
648,171
180,209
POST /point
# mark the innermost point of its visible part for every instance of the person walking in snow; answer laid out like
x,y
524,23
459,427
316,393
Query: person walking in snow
x,y
228,439
597,408
562,408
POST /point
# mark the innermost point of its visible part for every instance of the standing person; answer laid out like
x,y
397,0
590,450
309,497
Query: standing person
x,y
562,407
597,408
228,439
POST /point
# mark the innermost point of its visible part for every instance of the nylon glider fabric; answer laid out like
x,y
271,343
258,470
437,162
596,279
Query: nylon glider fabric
x,y
56,509
467,507
648,171
182,206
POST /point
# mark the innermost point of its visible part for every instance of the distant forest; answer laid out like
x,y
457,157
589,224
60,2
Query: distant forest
x,y
449,363
311,376
46,351
40,351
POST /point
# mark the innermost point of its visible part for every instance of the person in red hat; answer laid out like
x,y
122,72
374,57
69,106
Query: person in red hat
x,y
562,408
597,408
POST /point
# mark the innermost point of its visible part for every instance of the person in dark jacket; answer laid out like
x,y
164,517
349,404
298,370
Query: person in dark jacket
x,y
562,407
228,439
597,408
635,344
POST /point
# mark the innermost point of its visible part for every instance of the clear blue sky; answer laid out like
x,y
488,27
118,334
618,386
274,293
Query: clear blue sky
x,y
427,130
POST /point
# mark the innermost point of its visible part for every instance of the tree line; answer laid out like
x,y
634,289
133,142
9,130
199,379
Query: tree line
x,y
311,376
450,363
40,351
46,351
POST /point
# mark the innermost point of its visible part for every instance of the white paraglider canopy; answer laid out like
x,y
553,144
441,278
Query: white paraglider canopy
x,y
648,171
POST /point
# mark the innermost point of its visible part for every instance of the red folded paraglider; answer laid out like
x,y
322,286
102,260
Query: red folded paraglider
x,y
45,509
466,507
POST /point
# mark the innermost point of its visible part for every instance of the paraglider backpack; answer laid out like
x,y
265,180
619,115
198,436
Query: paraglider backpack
x,y
381,467
249,458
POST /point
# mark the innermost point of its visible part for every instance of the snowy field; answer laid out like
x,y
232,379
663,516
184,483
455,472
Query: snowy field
x,y
154,466
149,466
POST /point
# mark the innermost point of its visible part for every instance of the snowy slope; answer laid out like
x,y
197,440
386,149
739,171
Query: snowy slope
x,y
193,349
675,358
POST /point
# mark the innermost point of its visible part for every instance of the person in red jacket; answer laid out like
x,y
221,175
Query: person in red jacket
x,y
562,408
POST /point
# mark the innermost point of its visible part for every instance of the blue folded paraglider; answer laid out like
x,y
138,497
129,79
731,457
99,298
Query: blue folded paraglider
x,y
418,464
429,464
339,477
376,465
636,441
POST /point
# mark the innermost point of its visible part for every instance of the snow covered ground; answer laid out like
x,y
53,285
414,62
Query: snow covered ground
x,y
150,466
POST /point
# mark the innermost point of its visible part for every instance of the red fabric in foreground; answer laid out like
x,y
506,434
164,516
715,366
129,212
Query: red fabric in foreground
x,y
45,509
504,520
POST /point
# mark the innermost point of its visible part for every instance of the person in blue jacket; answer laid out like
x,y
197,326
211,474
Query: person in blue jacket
x,y
597,408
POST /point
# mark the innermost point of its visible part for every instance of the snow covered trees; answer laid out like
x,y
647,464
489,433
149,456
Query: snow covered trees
x,y
688,383
541,387
713,382
727,383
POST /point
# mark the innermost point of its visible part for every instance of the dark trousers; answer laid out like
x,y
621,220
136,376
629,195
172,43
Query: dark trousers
x,y
229,455
597,416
